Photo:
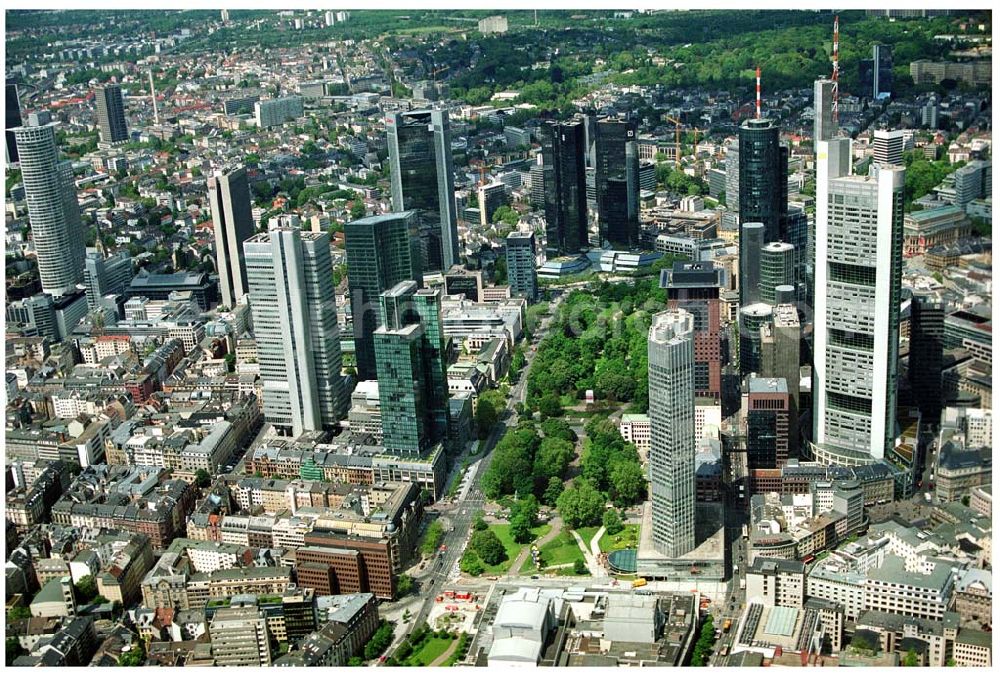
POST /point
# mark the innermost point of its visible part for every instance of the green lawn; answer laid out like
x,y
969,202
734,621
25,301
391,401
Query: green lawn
x,y
562,549
588,533
433,648
513,549
623,540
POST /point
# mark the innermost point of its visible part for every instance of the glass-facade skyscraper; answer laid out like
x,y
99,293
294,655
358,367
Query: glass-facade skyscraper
x,y
423,179
859,257
12,119
617,183
521,271
565,179
292,297
53,209
763,195
672,443
410,357
382,251
229,197
111,114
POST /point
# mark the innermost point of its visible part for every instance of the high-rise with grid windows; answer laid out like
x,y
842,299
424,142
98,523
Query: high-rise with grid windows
x,y
53,210
859,255
293,302
672,443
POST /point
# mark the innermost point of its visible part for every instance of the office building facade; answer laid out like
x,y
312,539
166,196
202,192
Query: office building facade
x,y
229,197
824,127
411,363
292,298
752,238
763,177
106,276
694,287
887,147
521,272
859,241
768,423
50,193
382,251
777,268
423,180
617,183
565,181
271,112
672,443
881,71
12,119
111,114
927,355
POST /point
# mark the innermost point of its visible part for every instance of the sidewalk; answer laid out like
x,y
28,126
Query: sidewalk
x,y
592,563
556,524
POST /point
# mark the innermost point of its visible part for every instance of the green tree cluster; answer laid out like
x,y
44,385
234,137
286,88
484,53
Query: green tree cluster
x,y
488,409
580,504
488,546
432,538
523,516
379,641
526,464
703,647
598,342
611,464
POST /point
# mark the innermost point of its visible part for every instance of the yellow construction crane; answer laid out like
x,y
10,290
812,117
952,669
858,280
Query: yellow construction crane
x,y
438,70
677,139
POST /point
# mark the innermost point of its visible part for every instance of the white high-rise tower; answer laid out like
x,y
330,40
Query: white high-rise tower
x,y
672,443
53,209
295,322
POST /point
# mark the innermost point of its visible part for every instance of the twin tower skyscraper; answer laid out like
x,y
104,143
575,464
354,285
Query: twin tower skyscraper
x,y
609,147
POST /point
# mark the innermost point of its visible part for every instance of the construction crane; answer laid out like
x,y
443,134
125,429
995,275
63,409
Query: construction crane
x,y
677,139
438,70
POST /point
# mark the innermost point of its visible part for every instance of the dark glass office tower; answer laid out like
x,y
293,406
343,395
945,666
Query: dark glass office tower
x,y
111,114
617,183
521,271
763,178
565,181
423,179
232,219
882,71
12,119
763,194
382,251
768,423
926,355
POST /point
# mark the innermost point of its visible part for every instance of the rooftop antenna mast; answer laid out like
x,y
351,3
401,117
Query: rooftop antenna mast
x,y
836,66
758,92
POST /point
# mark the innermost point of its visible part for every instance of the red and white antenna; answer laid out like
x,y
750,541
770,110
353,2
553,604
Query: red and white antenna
x,y
836,65
758,92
